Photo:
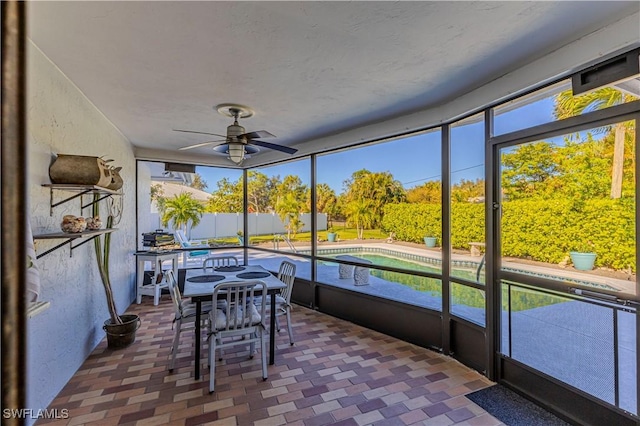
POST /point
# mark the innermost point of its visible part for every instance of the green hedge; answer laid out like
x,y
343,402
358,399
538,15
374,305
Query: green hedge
x,y
542,230
413,222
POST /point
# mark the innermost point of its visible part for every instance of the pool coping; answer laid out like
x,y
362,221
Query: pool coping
x,y
537,271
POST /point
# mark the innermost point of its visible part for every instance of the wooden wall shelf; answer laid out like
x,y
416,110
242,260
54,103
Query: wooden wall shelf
x,y
87,236
35,308
70,237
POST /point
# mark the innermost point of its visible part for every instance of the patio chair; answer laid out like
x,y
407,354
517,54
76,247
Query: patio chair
x,y
240,319
286,274
186,243
215,261
185,313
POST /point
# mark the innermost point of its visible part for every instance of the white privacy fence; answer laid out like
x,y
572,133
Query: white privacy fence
x,y
220,225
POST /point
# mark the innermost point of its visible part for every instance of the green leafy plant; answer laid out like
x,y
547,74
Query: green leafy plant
x,y
182,210
545,230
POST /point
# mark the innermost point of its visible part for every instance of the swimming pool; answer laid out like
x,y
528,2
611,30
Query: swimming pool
x,y
432,286
465,269
466,301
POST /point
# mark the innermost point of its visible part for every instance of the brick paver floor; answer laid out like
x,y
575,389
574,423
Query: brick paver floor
x,y
336,373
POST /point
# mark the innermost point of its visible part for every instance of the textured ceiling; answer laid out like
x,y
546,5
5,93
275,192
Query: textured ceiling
x,y
308,69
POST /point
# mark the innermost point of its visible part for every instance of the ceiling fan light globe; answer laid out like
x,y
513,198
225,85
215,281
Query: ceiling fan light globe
x,y
236,152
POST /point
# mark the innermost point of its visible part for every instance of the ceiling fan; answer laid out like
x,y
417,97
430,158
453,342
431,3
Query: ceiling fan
x,y
238,143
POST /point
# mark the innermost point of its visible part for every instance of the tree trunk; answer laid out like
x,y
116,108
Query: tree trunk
x,y
618,161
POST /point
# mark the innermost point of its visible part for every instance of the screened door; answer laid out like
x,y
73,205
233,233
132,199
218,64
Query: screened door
x,y
566,255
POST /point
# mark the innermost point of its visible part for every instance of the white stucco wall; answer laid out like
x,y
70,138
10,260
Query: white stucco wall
x,y
60,119
146,222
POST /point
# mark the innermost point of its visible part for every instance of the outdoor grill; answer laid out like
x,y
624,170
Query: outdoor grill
x,y
158,238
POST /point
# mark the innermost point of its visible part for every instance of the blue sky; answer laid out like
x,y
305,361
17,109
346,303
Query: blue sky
x,y
412,161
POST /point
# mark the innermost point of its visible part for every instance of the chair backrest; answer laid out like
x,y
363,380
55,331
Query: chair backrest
x,y
215,261
239,313
174,291
287,274
181,237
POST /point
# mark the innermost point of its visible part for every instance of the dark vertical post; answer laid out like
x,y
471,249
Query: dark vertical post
x,y
138,233
445,183
314,231
616,359
245,209
510,323
492,295
13,207
637,306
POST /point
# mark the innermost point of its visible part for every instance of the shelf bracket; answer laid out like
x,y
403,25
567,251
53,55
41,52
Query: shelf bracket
x,y
54,248
52,204
84,206
71,246
84,241
80,191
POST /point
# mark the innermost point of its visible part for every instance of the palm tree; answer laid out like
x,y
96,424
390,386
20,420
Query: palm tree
x,y
198,183
181,210
568,105
326,201
360,213
379,188
288,209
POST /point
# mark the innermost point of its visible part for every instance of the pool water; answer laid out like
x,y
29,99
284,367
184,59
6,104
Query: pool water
x,y
460,294
398,263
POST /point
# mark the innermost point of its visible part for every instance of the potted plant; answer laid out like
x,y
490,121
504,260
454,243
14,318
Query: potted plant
x,y
331,235
584,257
430,241
241,237
120,329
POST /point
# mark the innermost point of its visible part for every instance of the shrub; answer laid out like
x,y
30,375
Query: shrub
x,y
412,222
544,230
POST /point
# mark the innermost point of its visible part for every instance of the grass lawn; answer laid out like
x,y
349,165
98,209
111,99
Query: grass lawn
x,y
343,234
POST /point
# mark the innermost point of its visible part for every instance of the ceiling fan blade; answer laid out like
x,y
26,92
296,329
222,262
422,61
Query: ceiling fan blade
x,y
258,134
201,133
274,146
198,145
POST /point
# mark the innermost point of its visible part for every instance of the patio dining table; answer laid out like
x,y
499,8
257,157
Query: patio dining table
x,y
199,285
